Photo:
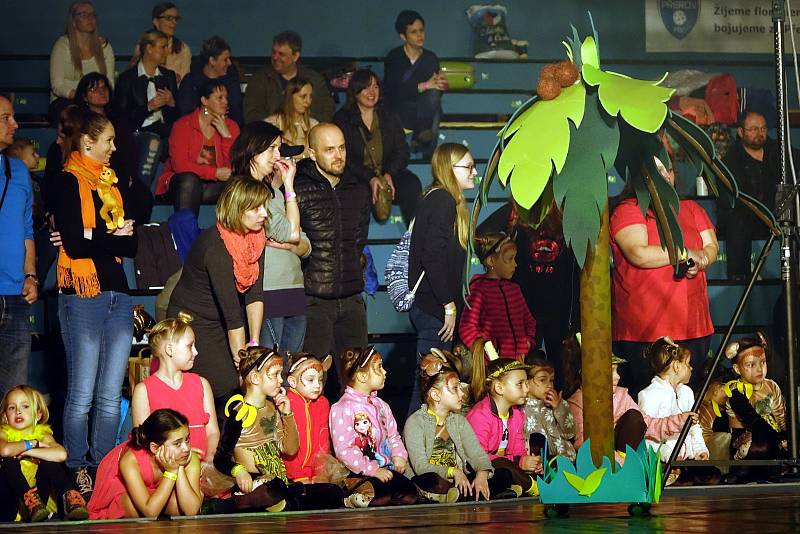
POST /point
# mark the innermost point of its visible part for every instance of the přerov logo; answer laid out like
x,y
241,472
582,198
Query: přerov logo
x,y
679,16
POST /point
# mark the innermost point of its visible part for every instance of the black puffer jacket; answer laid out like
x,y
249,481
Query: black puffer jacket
x,y
336,221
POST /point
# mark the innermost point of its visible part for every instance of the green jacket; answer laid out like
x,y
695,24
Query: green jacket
x,y
264,94
419,432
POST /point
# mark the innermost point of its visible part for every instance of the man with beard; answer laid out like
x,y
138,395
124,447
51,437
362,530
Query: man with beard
x,y
755,165
265,88
334,214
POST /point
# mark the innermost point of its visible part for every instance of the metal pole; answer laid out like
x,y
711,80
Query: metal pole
x,y
788,226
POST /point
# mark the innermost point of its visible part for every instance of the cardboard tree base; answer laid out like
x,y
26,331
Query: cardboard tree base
x,y
637,481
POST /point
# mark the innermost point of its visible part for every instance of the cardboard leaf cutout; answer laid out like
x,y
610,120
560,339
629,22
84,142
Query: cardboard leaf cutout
x,y
545,126
575,481
641,103
582,185
592,482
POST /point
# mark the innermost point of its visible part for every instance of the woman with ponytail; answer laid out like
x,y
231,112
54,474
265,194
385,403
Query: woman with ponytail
x,y
94,308
153,473
438,251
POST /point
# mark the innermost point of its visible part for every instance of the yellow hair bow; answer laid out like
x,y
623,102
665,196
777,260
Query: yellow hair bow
x,y
246,413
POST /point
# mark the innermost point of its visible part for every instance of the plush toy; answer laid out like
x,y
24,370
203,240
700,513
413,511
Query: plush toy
x,y
111,212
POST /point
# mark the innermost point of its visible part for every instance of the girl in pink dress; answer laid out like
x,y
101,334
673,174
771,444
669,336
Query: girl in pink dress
x,y
154,473
172,342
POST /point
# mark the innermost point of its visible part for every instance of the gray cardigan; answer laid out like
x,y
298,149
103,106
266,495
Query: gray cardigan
x,y
419,432
281,267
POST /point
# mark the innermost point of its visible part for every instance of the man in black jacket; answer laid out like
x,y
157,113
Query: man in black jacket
x,y
755,164
334,214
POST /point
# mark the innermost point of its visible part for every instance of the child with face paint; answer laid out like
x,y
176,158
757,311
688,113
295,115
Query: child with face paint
x,y
306,380
260,431
444,452
756,408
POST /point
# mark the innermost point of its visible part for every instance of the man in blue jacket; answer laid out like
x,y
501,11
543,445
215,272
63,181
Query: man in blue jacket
x,y
18,282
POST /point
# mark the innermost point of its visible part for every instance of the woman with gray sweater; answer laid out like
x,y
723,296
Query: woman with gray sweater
x,y
256,154
441,442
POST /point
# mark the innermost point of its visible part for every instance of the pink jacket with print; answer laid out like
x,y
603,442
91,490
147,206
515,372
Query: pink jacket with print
x,y
489,429
349,445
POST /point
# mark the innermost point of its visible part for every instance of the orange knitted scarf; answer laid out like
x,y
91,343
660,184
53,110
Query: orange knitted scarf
x,y
80,274
245,250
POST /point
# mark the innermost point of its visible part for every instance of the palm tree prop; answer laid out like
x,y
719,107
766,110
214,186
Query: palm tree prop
x,y
557,154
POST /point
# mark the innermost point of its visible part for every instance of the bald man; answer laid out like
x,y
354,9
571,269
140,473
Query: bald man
x,y
18,282
334,214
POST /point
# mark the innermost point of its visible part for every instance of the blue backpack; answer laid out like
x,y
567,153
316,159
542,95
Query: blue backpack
x,y
397,274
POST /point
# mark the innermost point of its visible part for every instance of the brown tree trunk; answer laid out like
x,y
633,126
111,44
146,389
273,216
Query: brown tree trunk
x,y
598,416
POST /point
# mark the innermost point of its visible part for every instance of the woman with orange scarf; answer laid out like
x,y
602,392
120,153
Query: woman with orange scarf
x,y
94,308
223,272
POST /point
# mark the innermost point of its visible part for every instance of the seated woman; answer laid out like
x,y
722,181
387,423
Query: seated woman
x,y
221,272
199,151
377,154
94,93
179,57
146,92
293,118
76,53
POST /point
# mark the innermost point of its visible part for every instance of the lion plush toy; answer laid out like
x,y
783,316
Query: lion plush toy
x,y
111,211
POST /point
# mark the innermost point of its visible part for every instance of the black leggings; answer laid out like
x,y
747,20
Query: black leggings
x,y
319,496
189,191
629,430
519,477
397,491
433,483
51,479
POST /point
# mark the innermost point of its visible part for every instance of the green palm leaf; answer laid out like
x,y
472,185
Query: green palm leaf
x,y
545,126
641,103
581,187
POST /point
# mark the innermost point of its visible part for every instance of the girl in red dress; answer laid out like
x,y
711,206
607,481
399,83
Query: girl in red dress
x,y
154,473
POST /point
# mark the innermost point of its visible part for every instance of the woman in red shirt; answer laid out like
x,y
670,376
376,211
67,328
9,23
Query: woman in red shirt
x,y
199,151
648,301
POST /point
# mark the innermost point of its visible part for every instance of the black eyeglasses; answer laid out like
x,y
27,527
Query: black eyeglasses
x,y
170,18
470,168
363,359
86,14
261,361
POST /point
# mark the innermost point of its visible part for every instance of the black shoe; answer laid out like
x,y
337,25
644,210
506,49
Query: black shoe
x,y
84,482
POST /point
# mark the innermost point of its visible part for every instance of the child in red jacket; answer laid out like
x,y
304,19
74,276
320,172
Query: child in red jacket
x,y
306,380
496,311
498,420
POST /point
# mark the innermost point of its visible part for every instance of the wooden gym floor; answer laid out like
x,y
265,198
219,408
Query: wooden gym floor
x,y
762,509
